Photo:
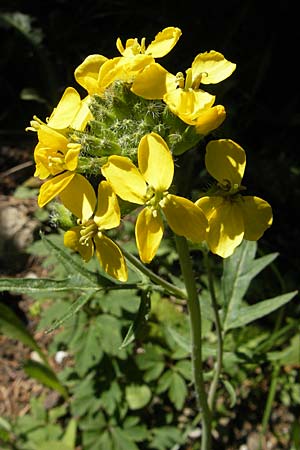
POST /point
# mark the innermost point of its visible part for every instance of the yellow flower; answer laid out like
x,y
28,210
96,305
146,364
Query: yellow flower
x,y
162,44
231,216
56,185
87,73
183,94
148,185
71,112
54,153
94,218
97,72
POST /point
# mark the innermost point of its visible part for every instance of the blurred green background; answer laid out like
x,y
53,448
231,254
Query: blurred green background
x,y
41,43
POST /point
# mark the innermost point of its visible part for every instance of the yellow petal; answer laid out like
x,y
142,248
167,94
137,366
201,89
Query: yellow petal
x,y
225,161
213,67
155,162
185,218
149,231
125,179
257,214
132,47
66,110
209,119
53,187
110,257
79,197
107,215
164,41
42,169
88,72
51,138
71,240
71,158
188,104
83,115
109,72
122,68
226,224
153,82
120,46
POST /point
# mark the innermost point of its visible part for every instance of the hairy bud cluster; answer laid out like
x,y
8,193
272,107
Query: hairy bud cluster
x,y
120,120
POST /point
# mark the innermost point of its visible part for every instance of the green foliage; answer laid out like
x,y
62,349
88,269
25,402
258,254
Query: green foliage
x,y
130,352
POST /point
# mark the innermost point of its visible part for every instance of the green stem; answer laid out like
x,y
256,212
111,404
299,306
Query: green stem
x,y
276,366
153,277
269,403
219,361
196,331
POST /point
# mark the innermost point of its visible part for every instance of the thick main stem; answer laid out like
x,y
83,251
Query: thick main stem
x,y
196,332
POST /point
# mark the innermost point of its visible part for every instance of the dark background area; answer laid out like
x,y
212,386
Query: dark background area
x,y
261,97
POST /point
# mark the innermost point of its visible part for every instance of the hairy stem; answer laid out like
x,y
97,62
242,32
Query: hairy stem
x,y
196,332
218,365
153,277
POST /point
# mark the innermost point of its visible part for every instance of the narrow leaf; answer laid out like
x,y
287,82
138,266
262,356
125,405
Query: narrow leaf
x,y
250,313
74,308
139,321
45,376
238,272
12,326
231,391
69,437
32,285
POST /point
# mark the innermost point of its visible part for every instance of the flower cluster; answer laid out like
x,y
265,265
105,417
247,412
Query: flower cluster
x,y
135,119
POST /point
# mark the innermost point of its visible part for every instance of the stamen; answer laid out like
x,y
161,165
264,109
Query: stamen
x,y
197,81
154,213
180,80
143,45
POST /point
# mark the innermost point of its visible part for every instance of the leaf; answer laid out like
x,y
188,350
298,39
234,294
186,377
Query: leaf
x,y
238,271
69,437
45,376
290,355
184,367
33,285
90,352
74,308
177,391
32,94
12,326
247,314
85,400
54,445
231,391
166,438
23,24
108,330
140,320
164,382
183,341
111,399
137,396
97,440
121,440
4,424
